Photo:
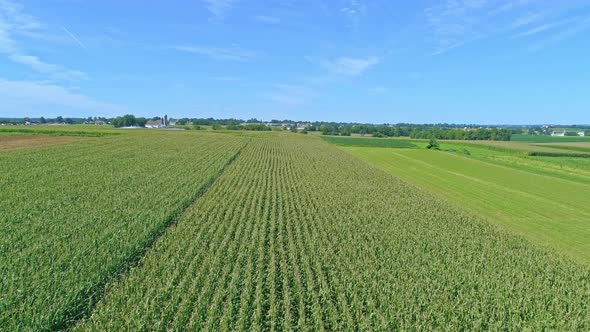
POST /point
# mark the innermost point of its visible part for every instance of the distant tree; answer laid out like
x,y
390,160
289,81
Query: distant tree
x,y
42,120
69,121
432,144
140,122
217,127
304,131
293,129
126,120
182,121
59,119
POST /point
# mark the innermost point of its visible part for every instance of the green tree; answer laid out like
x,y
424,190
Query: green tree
x,y
432,144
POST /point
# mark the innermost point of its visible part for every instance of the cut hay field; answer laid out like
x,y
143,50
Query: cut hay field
x,y
549,210
156,230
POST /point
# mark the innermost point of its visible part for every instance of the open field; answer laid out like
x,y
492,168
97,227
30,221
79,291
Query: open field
x,y
73,130
164,230
548,139
568,167
573,146
369,142
24,142
548,210
516,146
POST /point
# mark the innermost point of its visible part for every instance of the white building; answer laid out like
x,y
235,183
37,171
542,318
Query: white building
x,y
155,124
559,134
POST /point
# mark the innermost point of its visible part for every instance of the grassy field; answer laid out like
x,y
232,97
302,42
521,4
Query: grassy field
x,y
568,166
548,139
156,230
368,142
549,210
573,146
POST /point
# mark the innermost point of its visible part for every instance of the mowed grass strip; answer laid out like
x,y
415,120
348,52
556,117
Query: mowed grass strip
x,y
73,216
369,142
548,210
298,235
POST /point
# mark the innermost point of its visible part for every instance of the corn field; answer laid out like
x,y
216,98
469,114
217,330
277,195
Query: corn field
x,y
212,231
72,217
297,235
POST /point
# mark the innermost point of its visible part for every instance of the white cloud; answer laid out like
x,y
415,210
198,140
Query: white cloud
x,y
38,95
454,23
574,28
527,19
53,71
350,66
541,28
14,22
377,90
353,11
218,53
267,19
219,7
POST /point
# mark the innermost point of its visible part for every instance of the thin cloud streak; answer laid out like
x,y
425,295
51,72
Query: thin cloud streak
x,y
455,23
219,8
219,53
350,66
75,39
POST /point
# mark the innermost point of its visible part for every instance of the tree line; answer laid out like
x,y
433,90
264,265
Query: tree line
x,y
416,131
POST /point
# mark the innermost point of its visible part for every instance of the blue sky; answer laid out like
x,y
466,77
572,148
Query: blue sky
x,y
463,61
